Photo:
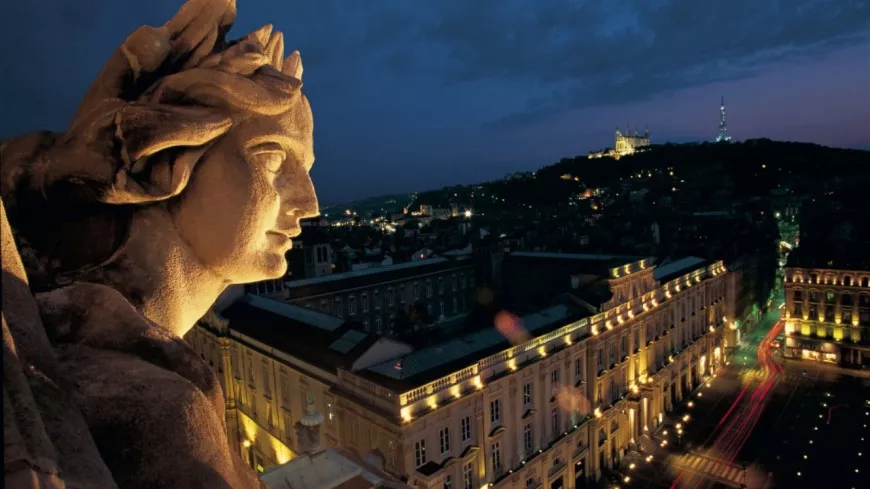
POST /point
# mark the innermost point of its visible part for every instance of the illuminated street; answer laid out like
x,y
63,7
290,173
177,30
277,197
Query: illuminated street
x,y
770,417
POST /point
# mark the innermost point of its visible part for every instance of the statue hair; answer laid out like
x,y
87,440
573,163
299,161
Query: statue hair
x,y
136,146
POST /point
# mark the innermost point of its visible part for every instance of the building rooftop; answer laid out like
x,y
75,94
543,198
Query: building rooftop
x,y
328,469
681,266
316,338
592,264
425,364
359,278
849,258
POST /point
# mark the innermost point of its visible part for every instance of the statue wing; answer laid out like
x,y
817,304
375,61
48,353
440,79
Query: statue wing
x,y
46,441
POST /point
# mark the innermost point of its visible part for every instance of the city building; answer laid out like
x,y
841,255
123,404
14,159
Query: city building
x,y
438,288
827,312
624,143
827,284
553,398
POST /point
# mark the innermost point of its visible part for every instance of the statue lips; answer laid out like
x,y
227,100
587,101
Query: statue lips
x,y
284,237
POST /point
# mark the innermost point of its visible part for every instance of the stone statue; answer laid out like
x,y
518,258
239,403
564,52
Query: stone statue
x,y
184,170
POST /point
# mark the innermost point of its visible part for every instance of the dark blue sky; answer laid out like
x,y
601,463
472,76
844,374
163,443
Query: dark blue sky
x,y
417,94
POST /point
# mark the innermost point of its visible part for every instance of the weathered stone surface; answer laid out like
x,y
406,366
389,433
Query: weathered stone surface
x,y
184,170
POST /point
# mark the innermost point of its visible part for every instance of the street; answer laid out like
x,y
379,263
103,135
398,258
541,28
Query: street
x,y
761,424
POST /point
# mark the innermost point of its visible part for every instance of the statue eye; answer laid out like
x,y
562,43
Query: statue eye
x,y
270,156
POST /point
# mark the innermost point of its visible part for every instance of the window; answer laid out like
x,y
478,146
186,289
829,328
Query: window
x,y
448,482
390,297
379,324
444,439
623,352
798,295
612,353
288,427
527,395
267,386
829,314
236,364
416,291
465,429
330,413
377,299
420,453
846,299
324,305
455,307
428,288
467,476
554,415
440,285
495,411
527,438
440,308
454,282
496,458
285,392
830,297
365,302
578,370
600,360
351,305
554,379
338,310
402,294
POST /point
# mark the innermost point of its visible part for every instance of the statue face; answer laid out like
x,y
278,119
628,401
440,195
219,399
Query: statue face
x,y
247,194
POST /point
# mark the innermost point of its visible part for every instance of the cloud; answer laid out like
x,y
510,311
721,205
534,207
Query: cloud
x,y
581,54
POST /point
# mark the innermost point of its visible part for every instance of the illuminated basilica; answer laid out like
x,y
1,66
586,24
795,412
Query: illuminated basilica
x,y
625,143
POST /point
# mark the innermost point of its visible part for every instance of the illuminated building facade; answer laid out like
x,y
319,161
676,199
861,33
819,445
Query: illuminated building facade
x,y
827,315
624,143
556,406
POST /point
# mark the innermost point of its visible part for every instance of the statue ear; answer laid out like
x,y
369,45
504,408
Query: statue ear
x,y
159,146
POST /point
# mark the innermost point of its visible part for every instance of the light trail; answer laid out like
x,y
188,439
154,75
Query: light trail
x,y
734,435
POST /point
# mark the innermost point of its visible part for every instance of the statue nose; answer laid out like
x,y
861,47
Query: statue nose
x,y
302,202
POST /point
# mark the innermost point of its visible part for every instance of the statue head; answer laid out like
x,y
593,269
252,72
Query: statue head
x,y
215,134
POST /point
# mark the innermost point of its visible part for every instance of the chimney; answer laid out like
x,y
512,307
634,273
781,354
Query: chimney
x,y
575,282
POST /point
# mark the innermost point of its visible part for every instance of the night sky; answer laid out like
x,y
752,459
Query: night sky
x,y
416,94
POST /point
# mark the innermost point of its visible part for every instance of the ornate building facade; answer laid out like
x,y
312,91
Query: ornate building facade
x,y
827,316
556,406
624,143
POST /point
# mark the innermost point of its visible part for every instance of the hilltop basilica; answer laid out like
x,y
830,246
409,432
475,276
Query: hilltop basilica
x,y
625,143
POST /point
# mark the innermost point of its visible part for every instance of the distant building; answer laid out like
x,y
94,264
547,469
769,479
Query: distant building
x,y
827,313
624,143
827,285
376,296
560,396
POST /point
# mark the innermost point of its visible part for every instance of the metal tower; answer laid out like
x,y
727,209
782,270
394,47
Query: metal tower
x,y
723,126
